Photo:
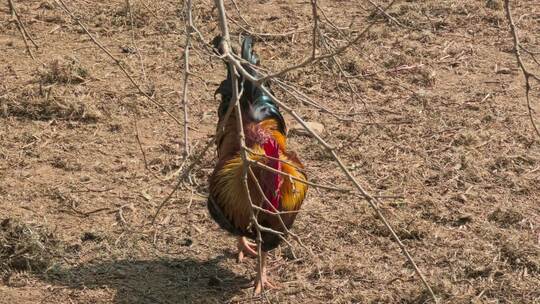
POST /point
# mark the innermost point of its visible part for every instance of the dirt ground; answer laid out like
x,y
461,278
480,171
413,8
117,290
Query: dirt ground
x,y
436,123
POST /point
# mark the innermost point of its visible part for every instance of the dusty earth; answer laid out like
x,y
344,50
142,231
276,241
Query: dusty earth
x,y
436,123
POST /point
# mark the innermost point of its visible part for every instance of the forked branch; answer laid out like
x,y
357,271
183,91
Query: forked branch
x,y
22,29
117,61
314,59
226,47
227,55
526,74
189,30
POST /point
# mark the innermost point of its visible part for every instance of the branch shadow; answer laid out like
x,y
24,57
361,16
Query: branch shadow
x,y
155,281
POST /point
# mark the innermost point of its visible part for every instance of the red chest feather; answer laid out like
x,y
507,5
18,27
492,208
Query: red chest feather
x,y
271,182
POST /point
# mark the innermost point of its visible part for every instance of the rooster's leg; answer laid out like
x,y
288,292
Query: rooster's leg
x,y
261,281
245,247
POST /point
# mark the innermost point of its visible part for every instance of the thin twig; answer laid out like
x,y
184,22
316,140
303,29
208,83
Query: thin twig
x,y
198,158
141,62
138,137
383,11
330,150
243,153
277,213
302,97
526,74
117,61
312,60
532,54
183,175
268,168
134,41
22,29
315,27
240,14
352,90
149,9
262,35
189,30
225,46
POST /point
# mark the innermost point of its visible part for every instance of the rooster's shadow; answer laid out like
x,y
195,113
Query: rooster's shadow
x,y
155,281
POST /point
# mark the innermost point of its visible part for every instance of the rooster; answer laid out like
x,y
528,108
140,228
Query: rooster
x,y
279,195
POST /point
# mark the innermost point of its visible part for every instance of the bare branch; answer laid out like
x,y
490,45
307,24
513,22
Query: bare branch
x,y
261,165
302,97
138,137
133,41
383,11
183,175
352,90
259,34
315,27
199,157
189,30
225,46
258,82
243,153
526,74
312,60
277,213
240,14
117,61
532,54
22,29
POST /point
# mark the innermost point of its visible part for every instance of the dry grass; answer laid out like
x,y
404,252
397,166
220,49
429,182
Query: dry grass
x,y
440,122
63,71
44,104
26,248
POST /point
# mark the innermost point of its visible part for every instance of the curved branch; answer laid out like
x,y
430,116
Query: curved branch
x,y
227,56
526,74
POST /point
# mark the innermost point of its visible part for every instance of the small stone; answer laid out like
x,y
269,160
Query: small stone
x,y
128,50
504,71
298,129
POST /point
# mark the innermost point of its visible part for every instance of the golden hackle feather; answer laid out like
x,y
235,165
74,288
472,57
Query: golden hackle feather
x,y
229,192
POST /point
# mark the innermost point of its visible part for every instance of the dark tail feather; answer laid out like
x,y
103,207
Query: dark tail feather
x,y
248,54
262,106
225,87
251,91
254,100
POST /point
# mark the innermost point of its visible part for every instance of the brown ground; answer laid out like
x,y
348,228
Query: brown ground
x,y
449,134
